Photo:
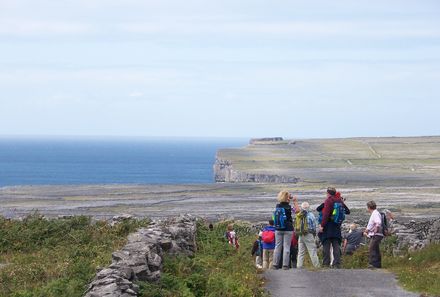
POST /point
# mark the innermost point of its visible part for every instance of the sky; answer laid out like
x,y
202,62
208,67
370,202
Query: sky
x,y
228,68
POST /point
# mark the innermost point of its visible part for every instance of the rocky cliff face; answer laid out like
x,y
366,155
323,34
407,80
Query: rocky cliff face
x,y
224,172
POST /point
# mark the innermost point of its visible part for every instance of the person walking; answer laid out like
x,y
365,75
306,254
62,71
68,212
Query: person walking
x,y
268,239
284,229
374,232
330,228
305,227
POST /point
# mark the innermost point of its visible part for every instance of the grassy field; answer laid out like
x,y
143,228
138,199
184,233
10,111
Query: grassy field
x,y
353,161
56,257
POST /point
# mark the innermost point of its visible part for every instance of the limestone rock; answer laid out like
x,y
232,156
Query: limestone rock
x,y
142,257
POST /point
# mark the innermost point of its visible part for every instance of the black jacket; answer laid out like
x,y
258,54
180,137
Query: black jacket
x,y
288,210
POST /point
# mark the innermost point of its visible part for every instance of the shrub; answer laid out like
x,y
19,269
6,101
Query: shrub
x,y
217,269
56,257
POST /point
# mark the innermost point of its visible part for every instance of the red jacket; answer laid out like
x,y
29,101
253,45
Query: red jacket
x,y
328,208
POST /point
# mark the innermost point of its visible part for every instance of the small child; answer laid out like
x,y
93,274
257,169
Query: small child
x,y
257,251
232,237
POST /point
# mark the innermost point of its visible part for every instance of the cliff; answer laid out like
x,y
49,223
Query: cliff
x,y
388,161
224,172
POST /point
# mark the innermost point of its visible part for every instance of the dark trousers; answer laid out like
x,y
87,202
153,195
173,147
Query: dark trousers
x,y
293,256
336,244
374,257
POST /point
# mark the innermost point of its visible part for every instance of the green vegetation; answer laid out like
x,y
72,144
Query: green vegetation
x,y
217,269
56,257
417,271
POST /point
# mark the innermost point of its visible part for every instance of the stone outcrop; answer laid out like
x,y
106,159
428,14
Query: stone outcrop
x,y
265,140
142,257
224,172
416,235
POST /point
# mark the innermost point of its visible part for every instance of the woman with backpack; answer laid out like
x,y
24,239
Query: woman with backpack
x,y
283,229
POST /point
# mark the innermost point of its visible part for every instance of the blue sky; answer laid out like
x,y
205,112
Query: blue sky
x,y
220,68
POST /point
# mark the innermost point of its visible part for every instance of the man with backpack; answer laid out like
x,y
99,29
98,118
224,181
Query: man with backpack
x,y
375,232
268,239
305,228
333,214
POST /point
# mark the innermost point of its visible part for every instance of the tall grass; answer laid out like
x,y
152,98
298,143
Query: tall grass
x,y
56,257
217,269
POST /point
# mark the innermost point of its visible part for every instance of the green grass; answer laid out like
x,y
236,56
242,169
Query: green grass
x,y
216,269
56,257
417,271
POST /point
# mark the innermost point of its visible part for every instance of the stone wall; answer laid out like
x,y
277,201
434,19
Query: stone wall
x,y
141,258
224,172
416,235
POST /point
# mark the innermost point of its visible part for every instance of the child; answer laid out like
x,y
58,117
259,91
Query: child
x,y
232,237
257,250
293,251
268,239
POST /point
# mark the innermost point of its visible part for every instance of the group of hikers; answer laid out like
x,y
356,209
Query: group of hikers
x,y
294,231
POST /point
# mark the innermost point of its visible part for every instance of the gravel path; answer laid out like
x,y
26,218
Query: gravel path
x,y
334,282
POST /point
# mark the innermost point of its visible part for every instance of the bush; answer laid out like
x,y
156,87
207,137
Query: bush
x,y
56,257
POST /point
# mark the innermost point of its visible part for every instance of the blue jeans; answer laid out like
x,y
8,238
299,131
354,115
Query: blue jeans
x,y
282,245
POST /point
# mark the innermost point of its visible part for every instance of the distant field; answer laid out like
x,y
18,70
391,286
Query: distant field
x,y
411,161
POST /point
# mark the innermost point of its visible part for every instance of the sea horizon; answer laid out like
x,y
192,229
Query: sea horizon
x,y
73,160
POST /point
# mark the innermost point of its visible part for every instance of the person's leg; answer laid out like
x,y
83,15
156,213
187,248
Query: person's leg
x,y
278,248
286,248
265,259
270,258
332,257
310,244
336,244
294,256
374,250
301,251
326,252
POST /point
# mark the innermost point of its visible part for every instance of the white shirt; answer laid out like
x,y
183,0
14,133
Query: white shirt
x,y
374,224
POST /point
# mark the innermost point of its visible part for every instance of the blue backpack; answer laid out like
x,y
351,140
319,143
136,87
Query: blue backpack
x,y
338,213
280,218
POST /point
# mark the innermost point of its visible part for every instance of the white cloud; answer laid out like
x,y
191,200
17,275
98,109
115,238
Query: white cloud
x,y
136,94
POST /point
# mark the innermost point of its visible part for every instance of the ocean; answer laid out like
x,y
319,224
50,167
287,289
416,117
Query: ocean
x,y
68,161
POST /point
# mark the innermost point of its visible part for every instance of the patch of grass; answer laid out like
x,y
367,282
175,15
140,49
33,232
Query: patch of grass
x,y
56,257
417,271
216,269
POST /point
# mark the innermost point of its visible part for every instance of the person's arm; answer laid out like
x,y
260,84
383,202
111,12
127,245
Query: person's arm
x,y
344,245
347,210
295,205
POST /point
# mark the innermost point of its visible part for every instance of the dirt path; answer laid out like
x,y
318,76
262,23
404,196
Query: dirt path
x,y
333,282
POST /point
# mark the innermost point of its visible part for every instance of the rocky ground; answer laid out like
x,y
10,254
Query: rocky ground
x,y
253,202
